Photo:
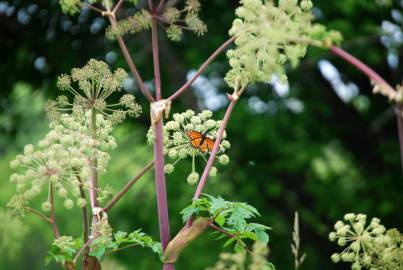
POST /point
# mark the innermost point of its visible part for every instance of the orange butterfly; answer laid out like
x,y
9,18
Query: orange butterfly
x,y
200,141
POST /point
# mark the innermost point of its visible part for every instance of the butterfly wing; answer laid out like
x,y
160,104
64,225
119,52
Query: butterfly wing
x,y
208,145
196,138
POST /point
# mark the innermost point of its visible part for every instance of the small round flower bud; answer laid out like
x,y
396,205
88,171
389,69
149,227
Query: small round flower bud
x,y
46,206
223,159
193,178
355,246
81,202
347,257
306,5
178,117
341,241
356,266
173,154
14,164
359,227
335,258
189,113
380,229
226,144
332,236
210,124
169,168
213,172
172,125
338,225
349,217
62,192
28,149
195,120
68,204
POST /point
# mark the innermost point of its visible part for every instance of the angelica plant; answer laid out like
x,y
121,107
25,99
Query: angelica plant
x,y
367,246
267,36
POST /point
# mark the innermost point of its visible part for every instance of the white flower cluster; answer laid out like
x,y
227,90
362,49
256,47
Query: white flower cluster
x,y
91,86
270,34
62,159
178,144
368,247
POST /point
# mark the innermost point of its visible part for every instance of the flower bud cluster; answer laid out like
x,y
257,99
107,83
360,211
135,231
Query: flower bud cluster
x,y
368,246
141,20
62,159
175,19
91,86
179,145
187,18
268,35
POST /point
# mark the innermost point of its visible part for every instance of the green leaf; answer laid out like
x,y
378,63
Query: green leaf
x,y
229,242
220,220
262,236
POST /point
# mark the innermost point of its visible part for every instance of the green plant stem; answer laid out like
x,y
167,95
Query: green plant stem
x,y
162,202
126,188
92,262
122,248
213,226
39,214
82,249
202,68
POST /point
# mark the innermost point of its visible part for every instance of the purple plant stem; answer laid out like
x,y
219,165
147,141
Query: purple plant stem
x,y
213,154
55,228
126,188
399,111
162,202
361,66
378,79
133,69
202,68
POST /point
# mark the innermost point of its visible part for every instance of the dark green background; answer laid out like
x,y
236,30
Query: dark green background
x,y
330,159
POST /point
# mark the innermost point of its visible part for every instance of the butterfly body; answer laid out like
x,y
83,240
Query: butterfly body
x,y
200,141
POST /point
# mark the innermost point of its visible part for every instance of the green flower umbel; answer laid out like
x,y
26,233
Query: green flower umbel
x,y
191,135
91,86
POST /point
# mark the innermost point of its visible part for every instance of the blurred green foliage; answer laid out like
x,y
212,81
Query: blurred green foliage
x,y
324,160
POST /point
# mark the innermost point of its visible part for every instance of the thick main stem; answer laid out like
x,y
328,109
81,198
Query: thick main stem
x,y
55,228
93,191
162,201
213,153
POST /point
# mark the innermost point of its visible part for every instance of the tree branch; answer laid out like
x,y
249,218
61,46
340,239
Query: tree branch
x,y
126,188
202,68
